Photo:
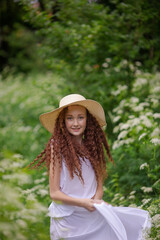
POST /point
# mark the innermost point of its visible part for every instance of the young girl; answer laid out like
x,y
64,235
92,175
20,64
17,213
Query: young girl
x,y
75,159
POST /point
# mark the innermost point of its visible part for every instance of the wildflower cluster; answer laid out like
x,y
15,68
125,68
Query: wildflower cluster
x,y
19,204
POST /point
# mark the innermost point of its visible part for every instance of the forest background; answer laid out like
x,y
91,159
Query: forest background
x,y
105,50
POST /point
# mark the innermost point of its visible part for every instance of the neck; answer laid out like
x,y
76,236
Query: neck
x,y
77,139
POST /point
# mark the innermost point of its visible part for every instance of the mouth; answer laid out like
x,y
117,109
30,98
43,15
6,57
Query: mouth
x,y
75,129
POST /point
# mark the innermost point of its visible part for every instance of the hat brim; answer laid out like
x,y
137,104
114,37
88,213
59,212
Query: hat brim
x,y
48,119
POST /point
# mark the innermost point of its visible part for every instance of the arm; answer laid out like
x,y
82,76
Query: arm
x,y
57,195
99,192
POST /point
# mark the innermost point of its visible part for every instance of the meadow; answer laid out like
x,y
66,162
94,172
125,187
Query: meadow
x,y
134,140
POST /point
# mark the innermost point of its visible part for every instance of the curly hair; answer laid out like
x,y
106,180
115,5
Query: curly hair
x,y
61,147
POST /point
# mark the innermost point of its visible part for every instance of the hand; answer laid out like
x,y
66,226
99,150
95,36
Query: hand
x,y
89,204
94,198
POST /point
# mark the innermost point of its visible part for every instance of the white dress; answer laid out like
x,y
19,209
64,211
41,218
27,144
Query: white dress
x,y
105,223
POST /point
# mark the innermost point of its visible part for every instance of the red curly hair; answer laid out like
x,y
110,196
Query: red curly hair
x,y
63,148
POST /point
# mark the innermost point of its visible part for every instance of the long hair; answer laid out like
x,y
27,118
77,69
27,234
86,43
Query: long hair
x,y
63,148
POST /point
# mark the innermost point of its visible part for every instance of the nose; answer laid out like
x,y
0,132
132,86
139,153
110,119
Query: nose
x,y
75,123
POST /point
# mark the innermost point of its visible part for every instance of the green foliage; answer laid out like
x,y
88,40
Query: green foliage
x,y
136,121
24,100
18,40
134,115
135,180
23,45
20,209
101,52
96,46
119,30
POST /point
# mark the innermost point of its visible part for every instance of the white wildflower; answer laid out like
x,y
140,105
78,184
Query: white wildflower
x,y
115,109
149,114
155,141
144,104
146,189
116,119
24,129
140,82
37,181
139,128
124,126
138,108
138,72
122,134
108,60
36,128
115,145
156,89
134,100
119,111
131,116
21,223
117,195
116,129
135,122
156,220
138,64
128,141
117,69
119,90
154,101
115,93
122,198
127,104
156,115
133,205
131,66
21,178
17,164
156,132
132,193
105,65
124,62
146,121
122,87
143,166
122,103
17,155
42,192
131,197
141,136
145,201
27,191
157,182
2,170
31,197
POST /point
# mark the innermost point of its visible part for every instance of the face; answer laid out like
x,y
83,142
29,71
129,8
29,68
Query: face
x,y
75,120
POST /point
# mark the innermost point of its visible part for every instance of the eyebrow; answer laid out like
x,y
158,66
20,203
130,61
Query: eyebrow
x,y
78,114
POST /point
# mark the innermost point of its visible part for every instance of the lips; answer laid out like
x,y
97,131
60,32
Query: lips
x,y
76,129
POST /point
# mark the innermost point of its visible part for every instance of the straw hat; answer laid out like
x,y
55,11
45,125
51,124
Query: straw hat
x,y
48,119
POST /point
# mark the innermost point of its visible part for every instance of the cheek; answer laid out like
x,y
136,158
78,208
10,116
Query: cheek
x,y
67,123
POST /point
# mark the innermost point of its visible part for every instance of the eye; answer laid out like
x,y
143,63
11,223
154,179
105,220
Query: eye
x,y
69,118
81,117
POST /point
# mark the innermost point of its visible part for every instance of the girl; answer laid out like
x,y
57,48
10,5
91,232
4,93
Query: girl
x,y
75,159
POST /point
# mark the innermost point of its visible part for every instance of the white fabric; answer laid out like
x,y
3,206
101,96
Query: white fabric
x,y
105,223
74,187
